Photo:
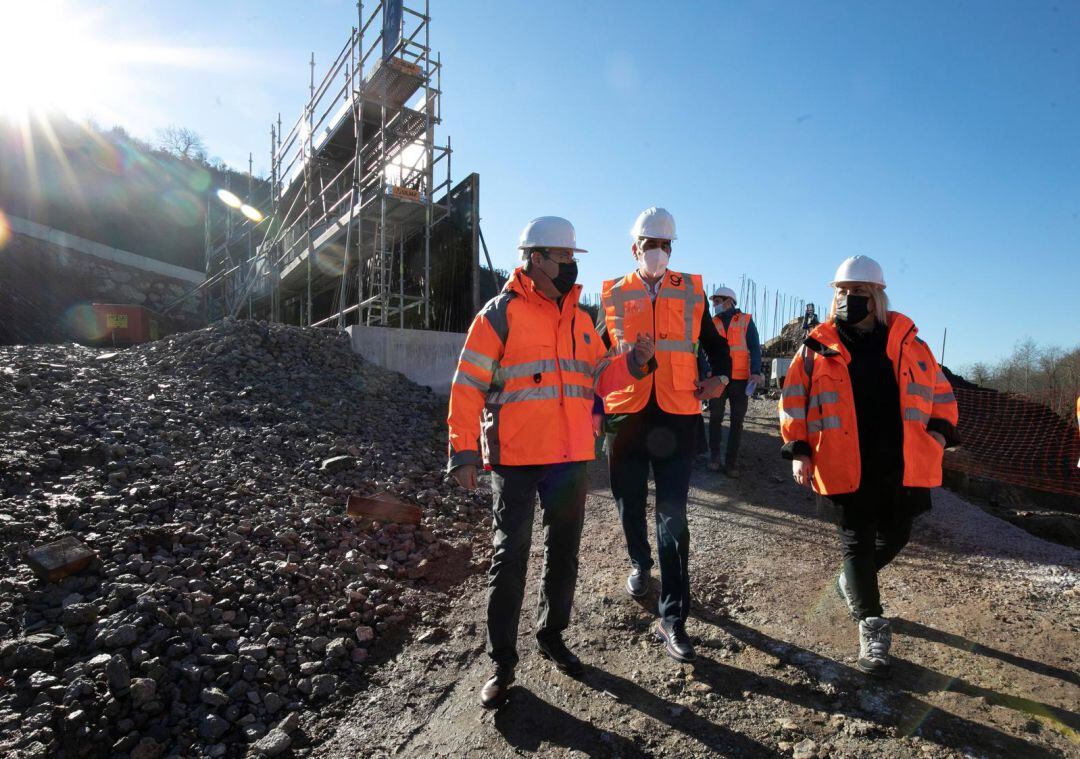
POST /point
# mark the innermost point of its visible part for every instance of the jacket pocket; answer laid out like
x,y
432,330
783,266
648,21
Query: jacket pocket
x,y
684,371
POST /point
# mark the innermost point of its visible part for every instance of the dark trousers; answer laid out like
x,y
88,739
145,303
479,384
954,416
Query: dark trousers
x,y
562,489
735,395
636,446
867,549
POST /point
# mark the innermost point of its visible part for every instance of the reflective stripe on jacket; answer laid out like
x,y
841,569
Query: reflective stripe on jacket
x,y
736,337
526,378
818,408
674,321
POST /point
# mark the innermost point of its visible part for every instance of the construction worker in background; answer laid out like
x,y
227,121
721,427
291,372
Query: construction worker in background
x,y
865,415
809,320
656,421
742,338
525,383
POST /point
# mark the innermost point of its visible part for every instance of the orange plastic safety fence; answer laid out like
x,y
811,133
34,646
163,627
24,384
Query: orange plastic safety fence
x,y
1017,440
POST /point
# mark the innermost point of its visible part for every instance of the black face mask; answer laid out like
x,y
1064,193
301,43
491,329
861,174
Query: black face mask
x,y
852,309
566,277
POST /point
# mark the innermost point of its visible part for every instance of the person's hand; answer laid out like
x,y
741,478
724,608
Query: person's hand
x,y
758,379
465,476
802,469
938,437
597,425
644,349
709,388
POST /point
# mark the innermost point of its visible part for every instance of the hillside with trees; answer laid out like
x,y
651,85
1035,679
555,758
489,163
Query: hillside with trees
x,y
110,187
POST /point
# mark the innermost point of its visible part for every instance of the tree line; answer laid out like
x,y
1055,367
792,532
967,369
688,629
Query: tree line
x,y
1049,374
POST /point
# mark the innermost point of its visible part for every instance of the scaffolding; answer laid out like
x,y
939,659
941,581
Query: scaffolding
x,y
353,185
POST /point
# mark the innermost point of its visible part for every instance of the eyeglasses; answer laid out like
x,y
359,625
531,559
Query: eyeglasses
x,y
560,257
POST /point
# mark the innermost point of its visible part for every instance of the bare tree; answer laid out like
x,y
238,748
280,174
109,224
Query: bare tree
x,y
182,142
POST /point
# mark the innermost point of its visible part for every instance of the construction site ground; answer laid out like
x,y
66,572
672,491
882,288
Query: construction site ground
x,y
985,645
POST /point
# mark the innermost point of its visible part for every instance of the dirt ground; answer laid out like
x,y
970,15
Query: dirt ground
x,y
986,641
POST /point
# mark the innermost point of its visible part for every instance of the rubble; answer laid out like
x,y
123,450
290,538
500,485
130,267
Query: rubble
x,y
231,592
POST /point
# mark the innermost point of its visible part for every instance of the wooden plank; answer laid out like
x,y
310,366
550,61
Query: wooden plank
x,y
383,508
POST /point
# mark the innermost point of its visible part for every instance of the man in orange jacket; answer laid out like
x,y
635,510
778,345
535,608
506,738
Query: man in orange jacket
x,y
656,422
524,385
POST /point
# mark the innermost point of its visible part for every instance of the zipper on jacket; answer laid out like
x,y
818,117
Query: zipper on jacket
x,y
903,432
573,335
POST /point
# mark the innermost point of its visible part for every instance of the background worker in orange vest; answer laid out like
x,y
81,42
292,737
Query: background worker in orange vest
x,y
742,338
866,413
657,421
525,383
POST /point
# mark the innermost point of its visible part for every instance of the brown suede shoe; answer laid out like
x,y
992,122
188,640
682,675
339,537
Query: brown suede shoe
x,y
497,689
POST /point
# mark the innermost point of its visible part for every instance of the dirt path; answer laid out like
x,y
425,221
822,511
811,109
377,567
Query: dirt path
x,y
987,634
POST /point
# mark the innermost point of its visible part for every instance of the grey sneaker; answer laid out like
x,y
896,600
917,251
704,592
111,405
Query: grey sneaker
x,y
637,584
875,637
844,591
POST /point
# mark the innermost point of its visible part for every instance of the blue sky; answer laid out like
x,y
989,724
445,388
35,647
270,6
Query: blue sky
x,y
941,138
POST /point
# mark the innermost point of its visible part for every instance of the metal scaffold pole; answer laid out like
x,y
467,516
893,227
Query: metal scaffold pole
x,y
355,172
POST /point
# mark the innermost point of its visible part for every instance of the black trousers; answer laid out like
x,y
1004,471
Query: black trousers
x,y
868,548
562,489
645,440
735,395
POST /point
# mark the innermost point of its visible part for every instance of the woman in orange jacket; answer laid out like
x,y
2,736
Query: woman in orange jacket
x,y
865,415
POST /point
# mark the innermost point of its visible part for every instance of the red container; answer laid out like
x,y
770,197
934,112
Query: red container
x,y
119,324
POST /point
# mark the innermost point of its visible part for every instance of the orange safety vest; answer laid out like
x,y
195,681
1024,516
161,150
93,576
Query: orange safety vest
x,y
526,378
735,334
817,406
674,321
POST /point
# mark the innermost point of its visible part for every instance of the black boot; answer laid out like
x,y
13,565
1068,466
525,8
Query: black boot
x,y
553,649
676,642
497,689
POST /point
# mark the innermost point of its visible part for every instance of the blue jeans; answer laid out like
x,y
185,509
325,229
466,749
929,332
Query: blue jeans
x,y
638,444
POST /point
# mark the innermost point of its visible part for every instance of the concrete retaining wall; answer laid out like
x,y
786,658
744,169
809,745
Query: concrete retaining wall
x,y
426,357
48,279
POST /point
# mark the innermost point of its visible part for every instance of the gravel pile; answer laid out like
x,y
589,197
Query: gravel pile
x,y
229,593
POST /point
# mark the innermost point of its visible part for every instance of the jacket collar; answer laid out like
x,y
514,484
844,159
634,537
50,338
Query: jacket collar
x,y
825,338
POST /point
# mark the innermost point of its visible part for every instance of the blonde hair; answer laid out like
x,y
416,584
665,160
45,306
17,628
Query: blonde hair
x,y
879,303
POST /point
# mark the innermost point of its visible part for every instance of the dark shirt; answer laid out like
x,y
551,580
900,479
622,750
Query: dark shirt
x,y
877,405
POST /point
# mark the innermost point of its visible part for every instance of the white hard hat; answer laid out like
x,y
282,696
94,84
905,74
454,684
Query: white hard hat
x,y
656,223
859,269
724,292
549,232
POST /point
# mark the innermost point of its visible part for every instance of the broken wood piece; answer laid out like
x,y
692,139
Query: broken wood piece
x,y
55,561
383,508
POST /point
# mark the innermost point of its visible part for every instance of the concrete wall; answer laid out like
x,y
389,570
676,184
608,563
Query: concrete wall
x,y
426,357
49,278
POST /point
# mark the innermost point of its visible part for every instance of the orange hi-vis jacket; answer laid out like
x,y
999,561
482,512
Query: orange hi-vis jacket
x,y
526,379
736,338
674,321
817,406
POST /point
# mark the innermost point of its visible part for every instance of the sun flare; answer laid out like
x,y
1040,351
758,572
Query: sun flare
x,y
54,58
